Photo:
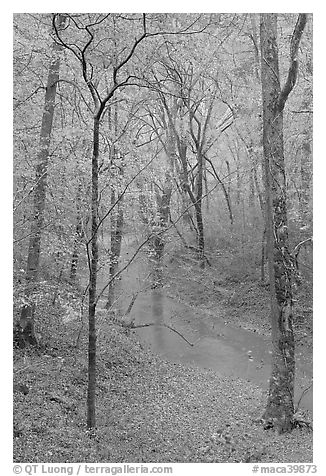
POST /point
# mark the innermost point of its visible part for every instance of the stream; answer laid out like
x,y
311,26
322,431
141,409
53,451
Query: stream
x,y
230,351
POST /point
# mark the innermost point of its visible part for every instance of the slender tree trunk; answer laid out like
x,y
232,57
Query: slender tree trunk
x,y
305,171
280,407
116,217
251,198
91,420
229,177
163,213
262,208
33,259
115,246
255,40
78,235
163,200
185,188
195,199
262,264
206,188
238,175
198,209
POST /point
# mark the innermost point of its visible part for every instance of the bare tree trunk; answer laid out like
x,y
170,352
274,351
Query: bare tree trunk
x,y
305,170
206,187
185,195
163,200
195,199
115,246
163,212
254,37
116,216
229,177
198,209
262,264
77,237
226,193
251,198
33,259
91,421
262,208
280,408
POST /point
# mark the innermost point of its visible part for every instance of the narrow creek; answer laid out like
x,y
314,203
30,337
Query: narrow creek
x,y
230,351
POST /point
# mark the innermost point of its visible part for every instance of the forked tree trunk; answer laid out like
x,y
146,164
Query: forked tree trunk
x,y
280,405
33,259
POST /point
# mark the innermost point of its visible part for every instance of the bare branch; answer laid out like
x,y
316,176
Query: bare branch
x,y
297,248
301,397
131,52
131,325
121,196
227,198
293,69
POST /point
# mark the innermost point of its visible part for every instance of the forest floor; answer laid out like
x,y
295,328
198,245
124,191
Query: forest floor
x,y
149,410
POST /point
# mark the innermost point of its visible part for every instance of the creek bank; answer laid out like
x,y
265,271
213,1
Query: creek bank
x,y
229,350
148,410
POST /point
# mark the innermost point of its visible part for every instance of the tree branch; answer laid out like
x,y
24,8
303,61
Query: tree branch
x,y
131,52
227,198
294,64
301,397
131,325
296,249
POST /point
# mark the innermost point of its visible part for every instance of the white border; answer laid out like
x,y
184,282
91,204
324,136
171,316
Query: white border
x,y
319,190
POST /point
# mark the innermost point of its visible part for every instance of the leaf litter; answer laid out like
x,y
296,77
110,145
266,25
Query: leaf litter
x,y
148,410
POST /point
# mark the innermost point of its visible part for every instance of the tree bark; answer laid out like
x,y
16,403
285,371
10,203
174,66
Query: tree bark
x,y
198,209
115,246
117,216
78,235
91,421
279,411
186,195
163,200
33,259
304,196
195,199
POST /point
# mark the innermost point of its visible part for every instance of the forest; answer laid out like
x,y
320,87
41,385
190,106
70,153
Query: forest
x,y
162,254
